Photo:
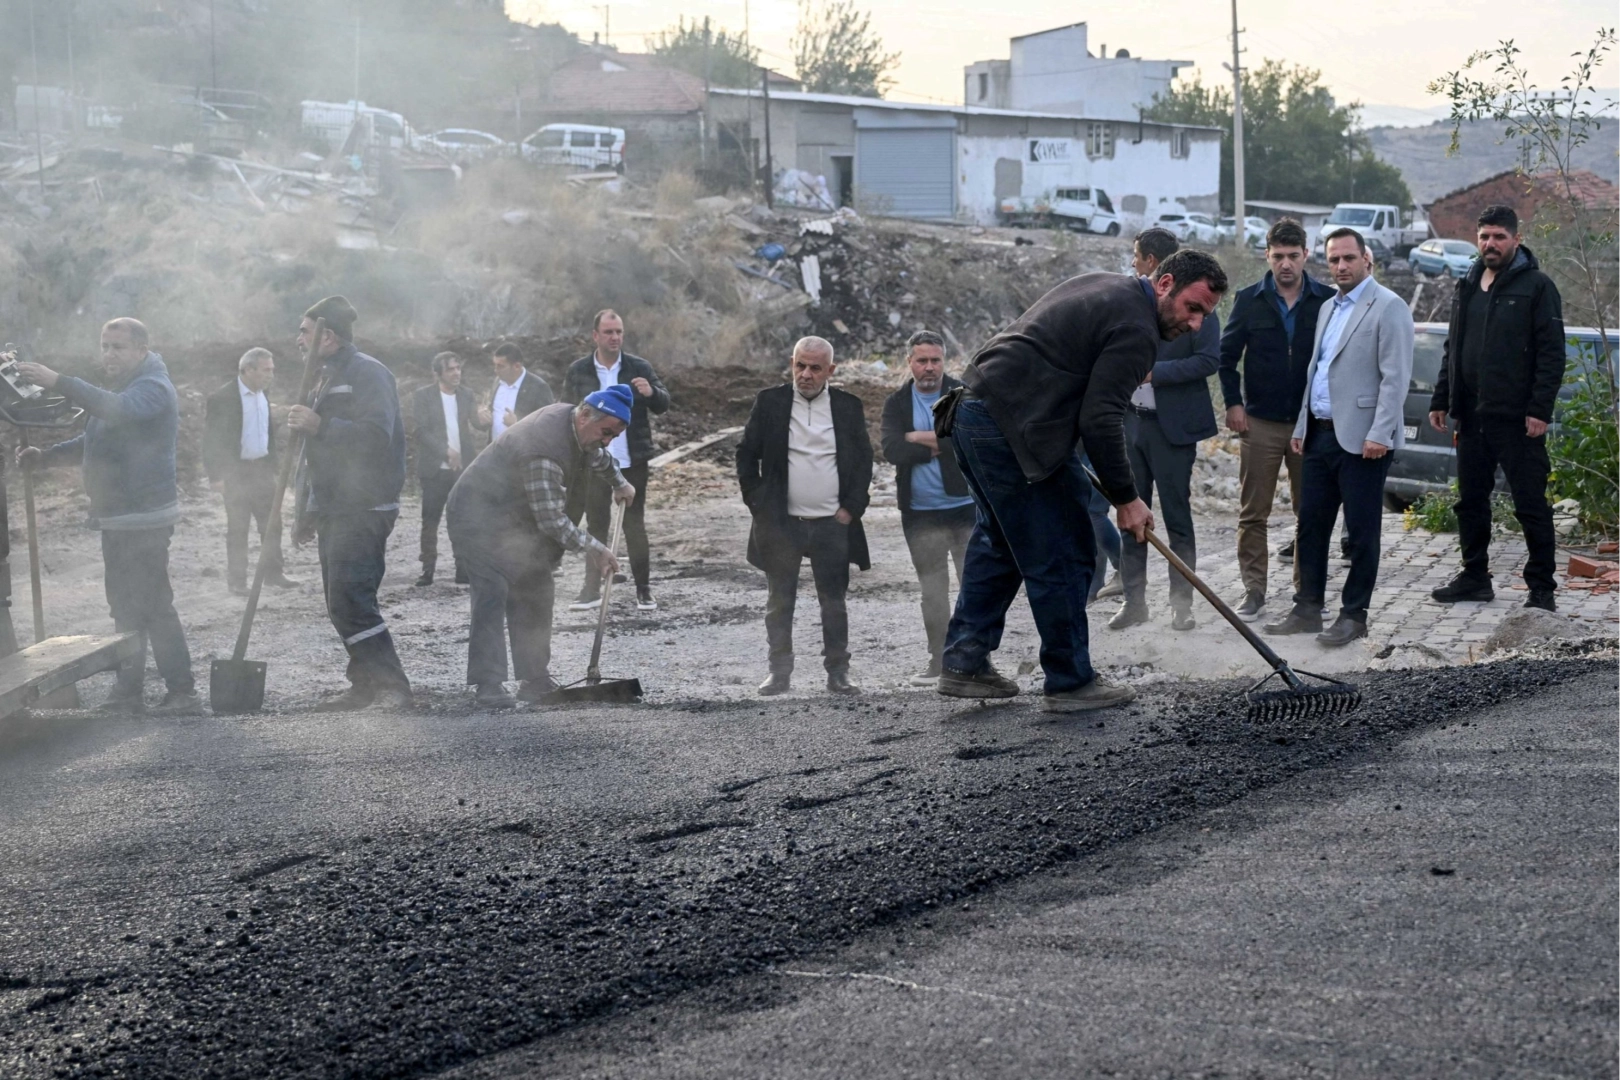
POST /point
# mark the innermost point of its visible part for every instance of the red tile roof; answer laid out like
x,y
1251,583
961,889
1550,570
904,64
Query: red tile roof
x,y
599,82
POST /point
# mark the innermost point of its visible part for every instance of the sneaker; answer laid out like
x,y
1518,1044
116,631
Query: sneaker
x,y
1285,554
1182,619
533,690
493,696
1464,587
1099,693
1115,587
586,604
1543,599
1253,606
391,699
353,699
645,601
178,703
986,683
928,676
1132,613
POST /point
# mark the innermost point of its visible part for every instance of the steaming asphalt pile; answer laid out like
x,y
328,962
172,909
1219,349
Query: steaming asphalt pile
x,y
391,897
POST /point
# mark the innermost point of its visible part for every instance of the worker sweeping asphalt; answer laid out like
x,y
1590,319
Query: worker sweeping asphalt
x,y
509,527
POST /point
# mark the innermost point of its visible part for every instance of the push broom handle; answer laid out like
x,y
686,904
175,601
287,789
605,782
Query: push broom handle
x,y
34,588
289,462
593,674
1277,663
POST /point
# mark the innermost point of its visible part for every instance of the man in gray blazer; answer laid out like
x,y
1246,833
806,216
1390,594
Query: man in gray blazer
x,y
1349,423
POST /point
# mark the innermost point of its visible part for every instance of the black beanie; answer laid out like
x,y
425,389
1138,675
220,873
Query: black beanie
x,y
339,315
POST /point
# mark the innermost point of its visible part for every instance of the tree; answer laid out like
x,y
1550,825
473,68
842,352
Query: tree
x,y
1575,243
723,58
836,52
1299,145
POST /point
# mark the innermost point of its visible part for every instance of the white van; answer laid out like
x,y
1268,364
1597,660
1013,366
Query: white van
x,y
579,146
332,121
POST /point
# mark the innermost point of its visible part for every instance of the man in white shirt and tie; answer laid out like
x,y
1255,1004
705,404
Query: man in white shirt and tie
x,y
239,456
1350,422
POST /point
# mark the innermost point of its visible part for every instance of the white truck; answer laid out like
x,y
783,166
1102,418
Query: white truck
x,y
1083,209
333,121
1379,221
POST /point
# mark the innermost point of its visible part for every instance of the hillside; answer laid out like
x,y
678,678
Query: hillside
x,y
1420,154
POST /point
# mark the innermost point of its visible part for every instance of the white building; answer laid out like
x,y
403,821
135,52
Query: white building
x,y
957,163
1054,71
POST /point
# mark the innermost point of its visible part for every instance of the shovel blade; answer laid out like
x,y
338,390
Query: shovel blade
x,y
622,691
236,687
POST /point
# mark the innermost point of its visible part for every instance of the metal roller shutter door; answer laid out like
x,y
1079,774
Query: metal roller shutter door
x,y
907,172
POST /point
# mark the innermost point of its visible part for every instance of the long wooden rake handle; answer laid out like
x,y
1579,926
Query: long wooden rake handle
x,y
593,674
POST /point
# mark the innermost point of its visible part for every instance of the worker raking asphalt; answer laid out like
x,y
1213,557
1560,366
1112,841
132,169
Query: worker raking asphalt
x,y
399,895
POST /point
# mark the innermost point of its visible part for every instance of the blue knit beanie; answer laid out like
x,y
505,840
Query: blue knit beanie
x,y
614,401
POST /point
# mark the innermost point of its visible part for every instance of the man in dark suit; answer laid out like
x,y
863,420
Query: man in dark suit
x,y
936,507
518,392
608,365
445,414
1169,413
239,456
805,468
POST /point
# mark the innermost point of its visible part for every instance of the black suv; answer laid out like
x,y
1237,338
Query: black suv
x,y
1429,461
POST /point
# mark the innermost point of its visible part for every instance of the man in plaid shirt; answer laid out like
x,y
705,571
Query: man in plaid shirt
x,y
509,527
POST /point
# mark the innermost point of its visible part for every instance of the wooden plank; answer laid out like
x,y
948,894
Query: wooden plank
x,y
40,669
670,457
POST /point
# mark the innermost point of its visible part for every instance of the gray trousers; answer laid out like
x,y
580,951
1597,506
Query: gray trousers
x,y
512,582
936,538
1159,466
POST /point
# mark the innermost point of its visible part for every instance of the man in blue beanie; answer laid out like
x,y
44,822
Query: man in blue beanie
x,y
127,451
509,526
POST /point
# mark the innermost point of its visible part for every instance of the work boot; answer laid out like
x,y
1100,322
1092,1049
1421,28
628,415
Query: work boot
x,y
493,696
1295,623
1343,631
353,699
1132,613
280,580
1099,693
238,588
987,682
533,690
838,683
1253,606
780,682
1543,599
123,699
1464,587
1285,554
928,676
391,699
178,703
1182,619
644,599
426,578
1115,587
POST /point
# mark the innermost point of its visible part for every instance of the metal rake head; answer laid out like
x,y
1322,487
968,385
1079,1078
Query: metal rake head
x,y
1298,701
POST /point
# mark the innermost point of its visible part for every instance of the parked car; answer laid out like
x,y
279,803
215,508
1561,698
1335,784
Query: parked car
x,y
1382,257
1082,209
1428,462
579,146
464,144
1448,258
1379,220
334,122
1254,230
1197,228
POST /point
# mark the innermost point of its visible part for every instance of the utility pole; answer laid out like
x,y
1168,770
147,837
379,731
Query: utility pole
x,y
1237,131
708,72
73,79
39,124
770,178
213,55
357,64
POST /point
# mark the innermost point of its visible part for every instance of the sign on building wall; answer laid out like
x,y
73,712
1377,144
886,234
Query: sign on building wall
x,y
1051,151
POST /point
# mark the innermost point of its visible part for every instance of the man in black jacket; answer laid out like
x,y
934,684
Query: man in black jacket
x,y
1270,331
805,468
517,392
445,414
1504,362
608,365
1169,413
1061,374
239,456
354,469
936,508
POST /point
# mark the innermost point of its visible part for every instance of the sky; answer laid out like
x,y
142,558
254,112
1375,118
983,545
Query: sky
x,y
1379,52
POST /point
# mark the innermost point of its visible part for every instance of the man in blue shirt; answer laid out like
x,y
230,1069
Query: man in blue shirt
x,y
936,507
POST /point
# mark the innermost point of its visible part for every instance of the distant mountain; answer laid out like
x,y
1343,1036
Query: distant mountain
x,y
1420,154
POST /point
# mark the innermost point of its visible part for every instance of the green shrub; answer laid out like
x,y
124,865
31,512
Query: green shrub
x,y
1437,512
1585,447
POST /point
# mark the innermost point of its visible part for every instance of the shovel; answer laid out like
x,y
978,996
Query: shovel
x,y
593,687
236,686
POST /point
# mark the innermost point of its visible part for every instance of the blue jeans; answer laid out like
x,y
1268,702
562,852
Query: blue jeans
x,y
1103,529
1036,535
